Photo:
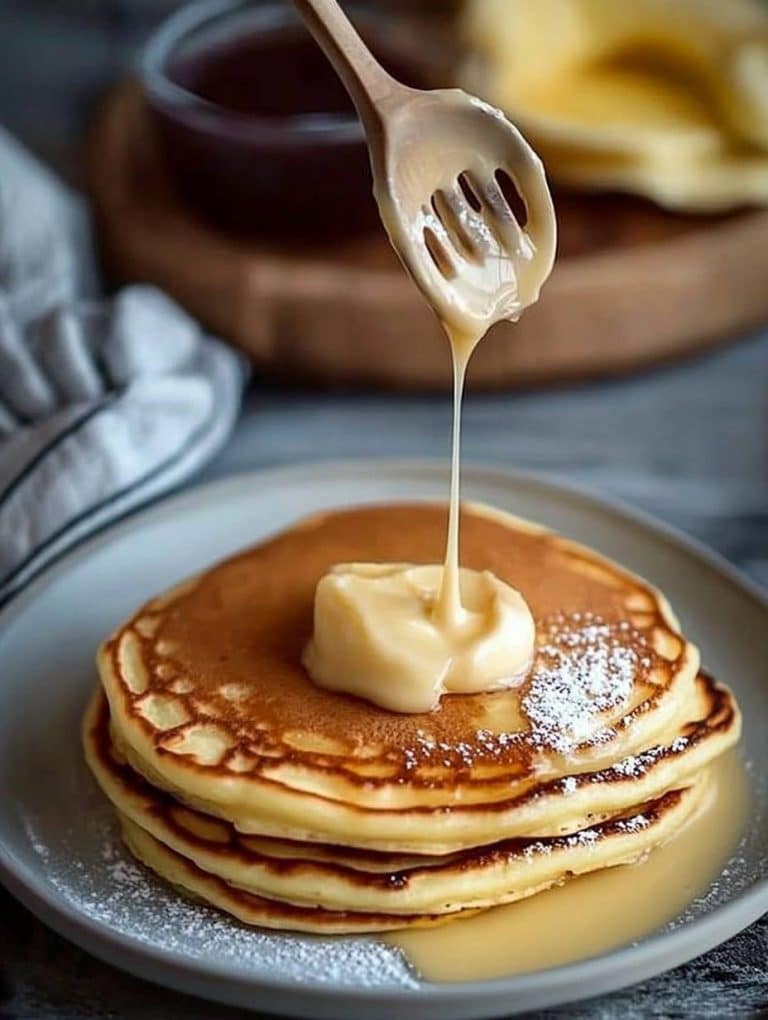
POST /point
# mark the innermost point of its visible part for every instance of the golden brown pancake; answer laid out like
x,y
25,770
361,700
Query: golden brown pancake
x,y
376,890
209,699
252,909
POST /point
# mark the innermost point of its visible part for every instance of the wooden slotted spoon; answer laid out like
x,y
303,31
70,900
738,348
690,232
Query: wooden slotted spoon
x,y
462,195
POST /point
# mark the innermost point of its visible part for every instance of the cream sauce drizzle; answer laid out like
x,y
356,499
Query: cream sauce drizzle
x,y
596,913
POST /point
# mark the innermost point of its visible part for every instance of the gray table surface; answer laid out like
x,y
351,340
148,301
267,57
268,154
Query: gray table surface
x,y
689,444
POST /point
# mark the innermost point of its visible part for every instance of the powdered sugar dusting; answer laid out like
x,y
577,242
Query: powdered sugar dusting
x,y
632,765
634,824
99,877
585,668
584,838
635,765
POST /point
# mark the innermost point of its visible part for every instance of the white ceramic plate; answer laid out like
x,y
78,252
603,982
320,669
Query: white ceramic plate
x,y
59,852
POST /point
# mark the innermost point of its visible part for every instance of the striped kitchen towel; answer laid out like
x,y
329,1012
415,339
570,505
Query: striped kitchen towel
x,y
104,404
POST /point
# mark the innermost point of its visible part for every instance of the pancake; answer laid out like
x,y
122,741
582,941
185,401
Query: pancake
x,y
209,701
251,909
396,891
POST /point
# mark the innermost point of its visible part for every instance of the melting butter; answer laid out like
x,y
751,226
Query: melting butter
x,y
377,634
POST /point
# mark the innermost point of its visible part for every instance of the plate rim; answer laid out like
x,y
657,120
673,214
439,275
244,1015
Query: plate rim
x,y
605,972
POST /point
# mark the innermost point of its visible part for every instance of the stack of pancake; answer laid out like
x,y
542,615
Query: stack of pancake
x,y
290,806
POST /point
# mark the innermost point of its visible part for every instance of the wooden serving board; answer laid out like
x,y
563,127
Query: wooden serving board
x,y
632,285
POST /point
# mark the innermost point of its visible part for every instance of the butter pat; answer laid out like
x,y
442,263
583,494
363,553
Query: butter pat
x,y
664,99
376,635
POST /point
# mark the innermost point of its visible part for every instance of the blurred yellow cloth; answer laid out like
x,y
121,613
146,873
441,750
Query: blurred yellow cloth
x,y
666,98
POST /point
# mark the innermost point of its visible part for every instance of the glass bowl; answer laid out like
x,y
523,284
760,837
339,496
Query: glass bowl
x,y
254,125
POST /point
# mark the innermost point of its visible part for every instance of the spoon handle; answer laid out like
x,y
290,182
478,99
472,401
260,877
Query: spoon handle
x,y
371,87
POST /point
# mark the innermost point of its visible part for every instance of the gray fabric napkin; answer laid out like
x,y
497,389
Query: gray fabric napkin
x,y
104,404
